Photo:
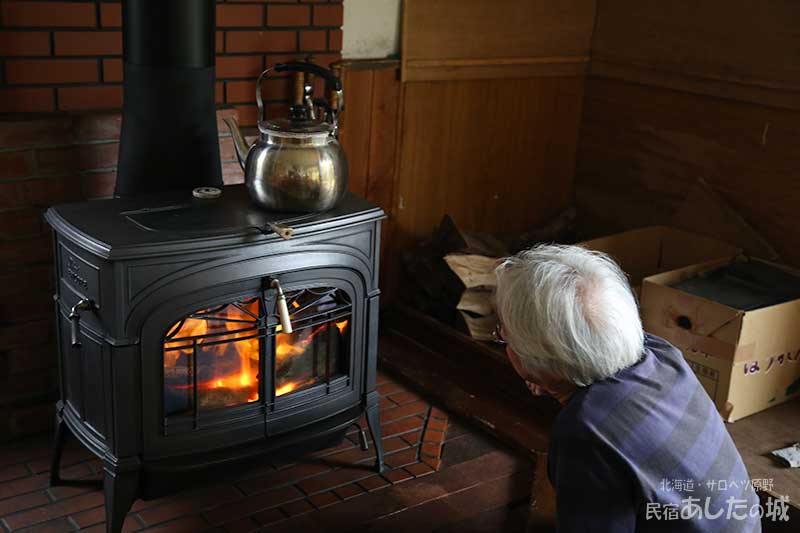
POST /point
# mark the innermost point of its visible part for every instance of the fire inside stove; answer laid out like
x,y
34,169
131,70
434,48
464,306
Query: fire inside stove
x,y
229,354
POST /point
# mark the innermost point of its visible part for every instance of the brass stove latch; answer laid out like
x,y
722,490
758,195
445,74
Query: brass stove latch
x,y
75,319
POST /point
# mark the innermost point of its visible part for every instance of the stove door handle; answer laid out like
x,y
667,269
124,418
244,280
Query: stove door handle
x,y
75,319
283,309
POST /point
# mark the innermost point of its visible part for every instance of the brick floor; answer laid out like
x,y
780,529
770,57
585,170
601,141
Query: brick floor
x,y
338,482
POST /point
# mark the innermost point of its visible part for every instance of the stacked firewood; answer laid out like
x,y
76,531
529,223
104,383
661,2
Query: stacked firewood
x,y
451,276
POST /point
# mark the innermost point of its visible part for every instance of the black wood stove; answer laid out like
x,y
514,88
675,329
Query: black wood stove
x,y
173,357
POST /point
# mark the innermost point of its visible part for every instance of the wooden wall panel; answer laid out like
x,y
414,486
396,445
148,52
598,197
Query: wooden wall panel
x,y
368,133
680,91
642,148
735,49
478,39
497,155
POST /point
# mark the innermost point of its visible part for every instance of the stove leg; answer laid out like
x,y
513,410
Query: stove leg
x,y
374,425
62,433
121,487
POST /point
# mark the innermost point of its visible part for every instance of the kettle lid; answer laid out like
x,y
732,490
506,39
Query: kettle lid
x,y
297,125
288,128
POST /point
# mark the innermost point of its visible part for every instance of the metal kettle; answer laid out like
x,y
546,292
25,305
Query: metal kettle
x,y
297,163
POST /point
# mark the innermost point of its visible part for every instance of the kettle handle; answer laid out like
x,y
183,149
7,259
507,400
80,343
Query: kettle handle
x,y
259,99
332,83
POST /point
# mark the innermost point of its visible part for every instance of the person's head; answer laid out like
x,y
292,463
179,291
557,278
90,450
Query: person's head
x,y
568,315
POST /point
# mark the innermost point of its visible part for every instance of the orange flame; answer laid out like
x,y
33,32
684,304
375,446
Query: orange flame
x,y
247,350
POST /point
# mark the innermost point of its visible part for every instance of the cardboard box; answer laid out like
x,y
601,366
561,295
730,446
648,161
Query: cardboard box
x,y
652,250
746,360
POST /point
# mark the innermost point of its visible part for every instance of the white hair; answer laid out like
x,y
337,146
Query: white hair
x,y
569,312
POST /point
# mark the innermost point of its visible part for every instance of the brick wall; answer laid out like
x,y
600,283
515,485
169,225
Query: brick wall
x,y
43,162
60,90
66,55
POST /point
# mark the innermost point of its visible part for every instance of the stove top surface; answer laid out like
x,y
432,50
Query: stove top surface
x,y
133,226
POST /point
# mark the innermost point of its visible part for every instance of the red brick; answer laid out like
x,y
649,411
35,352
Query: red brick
x,y
288,15
349,491
393,444
219,42
16,164
233,15
324,499
333,479
253,504
335,40
398,476
34,306
20,252
261,41
401,427
24,43
42,356
297,508
110,15
82,43
190,524
49,191
313,40
407,457
112,70
434,463
86,98
18,334
239,66
434,436
329,15
245,91
403,411
437,424
438,413
54,130
56,14
51,71
98,126
432,450
420,469
271,516
243,525
326,59
13,472
390,388
248,115
282,477
373,483
27,100
91,517
232,173
20,503
54,510
412,438
98,184
403,397
189,503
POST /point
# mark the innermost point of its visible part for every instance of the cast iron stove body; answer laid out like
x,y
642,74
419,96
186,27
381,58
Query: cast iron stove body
x,y
172,356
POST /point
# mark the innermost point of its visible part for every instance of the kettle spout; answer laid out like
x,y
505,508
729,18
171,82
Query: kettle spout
x,y
239,143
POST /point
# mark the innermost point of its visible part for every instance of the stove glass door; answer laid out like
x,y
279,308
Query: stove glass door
x,y
212,358
235,354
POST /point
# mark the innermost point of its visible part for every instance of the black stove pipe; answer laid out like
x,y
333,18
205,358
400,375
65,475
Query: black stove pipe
x,y
169,138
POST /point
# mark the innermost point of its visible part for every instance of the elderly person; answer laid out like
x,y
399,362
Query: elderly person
x,y
638,444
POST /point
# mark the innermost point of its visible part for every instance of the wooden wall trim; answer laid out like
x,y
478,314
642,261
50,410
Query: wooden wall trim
x,y
731,49
495,68
755,92
502,39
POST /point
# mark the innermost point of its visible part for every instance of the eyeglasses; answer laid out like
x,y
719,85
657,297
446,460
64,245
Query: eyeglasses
x,y
497,334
